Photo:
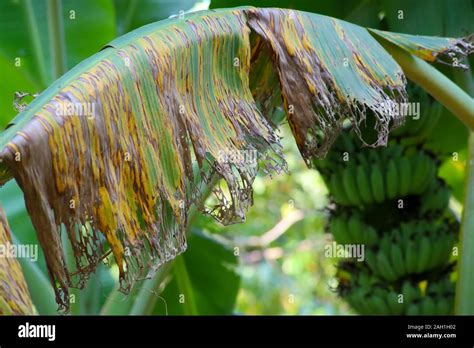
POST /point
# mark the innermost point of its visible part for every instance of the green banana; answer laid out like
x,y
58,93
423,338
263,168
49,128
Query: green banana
x,y
396,257
350,185
385,245
413,309
363,185
405,172
410,293
358,301
385,153
435,112
378,305
419,124
420,165
395,308
442,198
428,306
346,237
406,232
346,143
365,280
336,230
409,151
371,261
411,259
370,236
372,307
376,179
356,229
449,287
424,255
384,265
443,307
435,201
439,247
374,158
427,202
448,249
396,150
338,192
363,160
379,291
434,289
392,180
429,171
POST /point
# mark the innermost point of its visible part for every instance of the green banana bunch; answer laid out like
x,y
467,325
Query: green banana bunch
x,y
405,175
437,299
392,180
424,171
350,184
377,182
363,185
368,178
415,130
369,295
352,230
408,173
339,230
336,187
436,199
408,255
414,248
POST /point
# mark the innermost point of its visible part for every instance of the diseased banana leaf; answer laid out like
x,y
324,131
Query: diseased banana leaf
x,y
110,149
430,48
14,295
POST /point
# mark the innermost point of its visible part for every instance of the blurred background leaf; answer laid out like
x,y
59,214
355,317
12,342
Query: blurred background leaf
x,y
362,12
207,277
132,14
89,25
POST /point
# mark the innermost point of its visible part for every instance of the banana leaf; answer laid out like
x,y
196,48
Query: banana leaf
x,y
14,295
109,151
431,49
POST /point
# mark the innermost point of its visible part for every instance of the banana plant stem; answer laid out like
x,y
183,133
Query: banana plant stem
x,y
56,38
464,304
